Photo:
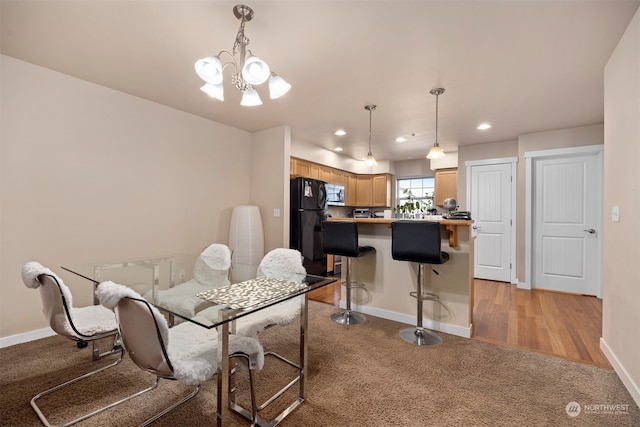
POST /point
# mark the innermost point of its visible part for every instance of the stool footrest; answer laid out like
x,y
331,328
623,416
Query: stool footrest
x,y
426,296
354,285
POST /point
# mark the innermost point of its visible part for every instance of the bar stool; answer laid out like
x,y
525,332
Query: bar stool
x,y
418,241
341,238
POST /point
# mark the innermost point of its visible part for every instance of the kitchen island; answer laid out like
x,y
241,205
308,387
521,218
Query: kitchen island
x,y
388,282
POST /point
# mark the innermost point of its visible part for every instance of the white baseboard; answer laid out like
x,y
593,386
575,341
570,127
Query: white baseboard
x,y
26,337
629,383
447,328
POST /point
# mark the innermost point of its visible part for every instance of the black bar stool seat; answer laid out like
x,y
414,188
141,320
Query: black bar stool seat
x,y
418,241
341,238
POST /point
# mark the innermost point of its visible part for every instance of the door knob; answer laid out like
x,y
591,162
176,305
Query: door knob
x,y
475,227
590,231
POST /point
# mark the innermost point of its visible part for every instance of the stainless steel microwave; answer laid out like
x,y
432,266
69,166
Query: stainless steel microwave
x,y
335,194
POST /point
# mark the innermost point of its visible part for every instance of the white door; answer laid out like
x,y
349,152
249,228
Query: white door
x,y
567,196
491,212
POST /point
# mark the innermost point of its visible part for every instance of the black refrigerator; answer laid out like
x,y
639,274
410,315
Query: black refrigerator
x,y
308,210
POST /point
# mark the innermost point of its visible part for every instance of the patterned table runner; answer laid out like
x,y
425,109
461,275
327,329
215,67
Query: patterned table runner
x,y
250,292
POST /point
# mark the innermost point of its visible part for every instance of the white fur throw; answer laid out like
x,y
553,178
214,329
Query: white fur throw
x,y
109,294
31,271
90,320
192,349
282,263
212,266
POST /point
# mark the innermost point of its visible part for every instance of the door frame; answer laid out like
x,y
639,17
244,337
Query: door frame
x,y
513,162
530,157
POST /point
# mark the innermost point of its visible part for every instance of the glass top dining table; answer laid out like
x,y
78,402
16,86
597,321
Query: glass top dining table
x,y
247,298
222,307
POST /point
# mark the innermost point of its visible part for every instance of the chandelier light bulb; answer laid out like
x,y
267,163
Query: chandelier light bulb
x,y
277,86
210,69
214,91
255,71
250,98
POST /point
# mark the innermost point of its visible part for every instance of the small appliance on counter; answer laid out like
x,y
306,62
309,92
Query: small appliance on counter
x,y
361,213
462,215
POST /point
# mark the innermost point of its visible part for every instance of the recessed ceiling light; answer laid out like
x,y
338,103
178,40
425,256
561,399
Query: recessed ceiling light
x,y
337,149
484,126
340,132
401,139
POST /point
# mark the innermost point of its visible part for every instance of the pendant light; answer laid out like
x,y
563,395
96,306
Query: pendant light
x,y
370,160
436,151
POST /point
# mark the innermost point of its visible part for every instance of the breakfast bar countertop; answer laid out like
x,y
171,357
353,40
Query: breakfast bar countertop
x,y
450,224
390,220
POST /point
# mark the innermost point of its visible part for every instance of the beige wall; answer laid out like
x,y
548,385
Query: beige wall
x,y
621,240
413,167
89,174
269,187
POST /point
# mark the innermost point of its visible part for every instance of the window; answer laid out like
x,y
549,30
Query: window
x,y
417,189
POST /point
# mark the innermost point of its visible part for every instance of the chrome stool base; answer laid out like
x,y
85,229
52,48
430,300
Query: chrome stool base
x,y
420,337
348,317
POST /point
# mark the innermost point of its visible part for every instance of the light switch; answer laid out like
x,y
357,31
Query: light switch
x,y
276,212
615,213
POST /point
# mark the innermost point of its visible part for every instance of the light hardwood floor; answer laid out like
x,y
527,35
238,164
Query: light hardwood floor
x,y
558,324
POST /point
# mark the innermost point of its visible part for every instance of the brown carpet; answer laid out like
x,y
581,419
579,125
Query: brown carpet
x,y
358,375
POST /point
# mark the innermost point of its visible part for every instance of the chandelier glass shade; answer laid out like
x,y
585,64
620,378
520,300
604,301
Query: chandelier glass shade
x,y
370,160
248,69
436,152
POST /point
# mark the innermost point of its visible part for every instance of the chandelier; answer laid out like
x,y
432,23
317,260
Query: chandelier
x,y
370,160
436,151
248,70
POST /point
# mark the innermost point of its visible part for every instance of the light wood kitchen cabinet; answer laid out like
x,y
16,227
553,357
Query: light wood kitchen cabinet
x,y
337,177
364,190
360,190
326,174
350,190
381,190
446,185
305,169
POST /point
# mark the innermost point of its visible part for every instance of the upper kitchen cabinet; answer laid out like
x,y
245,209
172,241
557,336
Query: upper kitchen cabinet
x,y
350,189
326,174
337,177
381,185
364,190
305,169
446,185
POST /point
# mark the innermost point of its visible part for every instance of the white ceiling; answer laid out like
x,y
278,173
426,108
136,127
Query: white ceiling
x,y
523,66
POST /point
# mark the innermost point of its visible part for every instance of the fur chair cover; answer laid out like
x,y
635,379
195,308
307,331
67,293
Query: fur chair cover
x,y
212,266
283,263
192,349
88,320
279,263
211,271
